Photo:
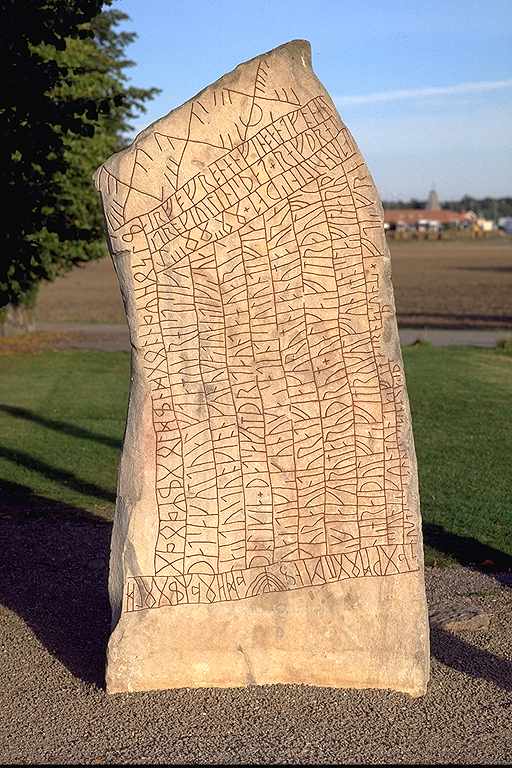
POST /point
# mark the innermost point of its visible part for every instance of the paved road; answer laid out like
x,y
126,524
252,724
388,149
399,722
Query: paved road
x,y
53,709
446,337
115,337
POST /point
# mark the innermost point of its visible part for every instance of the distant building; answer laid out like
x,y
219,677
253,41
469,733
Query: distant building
x,y
486,225
433,201
432,217
410,217
505,224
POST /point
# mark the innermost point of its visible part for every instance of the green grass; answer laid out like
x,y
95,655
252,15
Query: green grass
x,y
461,401
61,425
62,418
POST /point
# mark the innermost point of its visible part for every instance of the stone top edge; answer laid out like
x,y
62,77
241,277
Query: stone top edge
x,y
297,49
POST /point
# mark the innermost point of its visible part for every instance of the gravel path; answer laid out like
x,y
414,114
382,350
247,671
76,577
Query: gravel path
x,y
113,338
53,631
447,337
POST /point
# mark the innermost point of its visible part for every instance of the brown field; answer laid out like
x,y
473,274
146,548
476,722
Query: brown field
x,y
465,284
458,284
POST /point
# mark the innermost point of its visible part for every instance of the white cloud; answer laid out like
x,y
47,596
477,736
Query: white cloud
x,y
420,93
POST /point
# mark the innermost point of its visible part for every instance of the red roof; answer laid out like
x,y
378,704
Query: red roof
x,y
413,215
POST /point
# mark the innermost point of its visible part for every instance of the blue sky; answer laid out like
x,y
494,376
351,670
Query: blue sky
x,y
425,87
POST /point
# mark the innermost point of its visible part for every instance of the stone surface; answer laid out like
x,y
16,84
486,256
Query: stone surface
x,y
267,526
465,618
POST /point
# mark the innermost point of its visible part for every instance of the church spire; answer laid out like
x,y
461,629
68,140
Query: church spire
x,y
433,200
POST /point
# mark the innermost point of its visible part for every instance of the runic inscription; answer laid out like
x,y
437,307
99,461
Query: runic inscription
x,y
256,249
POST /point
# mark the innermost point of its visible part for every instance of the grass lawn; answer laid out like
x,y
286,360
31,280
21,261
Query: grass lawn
x,y
62,418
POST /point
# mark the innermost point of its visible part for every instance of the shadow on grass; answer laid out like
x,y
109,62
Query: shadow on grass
x,y
54,563
68,479
468,551
60,426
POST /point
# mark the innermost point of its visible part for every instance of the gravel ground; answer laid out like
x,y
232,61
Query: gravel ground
x,y
53,709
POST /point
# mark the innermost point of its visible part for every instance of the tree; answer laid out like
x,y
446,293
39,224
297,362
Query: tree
x,y
67,108
486,207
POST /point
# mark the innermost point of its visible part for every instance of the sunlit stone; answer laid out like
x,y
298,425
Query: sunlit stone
x,y
267,526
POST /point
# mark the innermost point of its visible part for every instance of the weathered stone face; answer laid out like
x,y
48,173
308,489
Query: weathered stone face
x,y
267,527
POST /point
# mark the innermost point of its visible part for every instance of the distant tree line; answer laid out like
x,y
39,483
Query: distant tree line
x,y
412,203
485,207
66,107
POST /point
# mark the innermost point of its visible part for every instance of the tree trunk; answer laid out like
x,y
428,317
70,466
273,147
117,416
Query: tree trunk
x,y
16,319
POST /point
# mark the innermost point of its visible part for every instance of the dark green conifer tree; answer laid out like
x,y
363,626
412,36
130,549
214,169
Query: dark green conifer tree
x,y
66,106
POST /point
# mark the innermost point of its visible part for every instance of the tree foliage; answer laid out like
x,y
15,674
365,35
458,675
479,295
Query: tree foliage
x,y
486,207
66,107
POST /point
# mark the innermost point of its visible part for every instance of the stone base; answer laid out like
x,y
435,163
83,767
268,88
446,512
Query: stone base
x,y
366,633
